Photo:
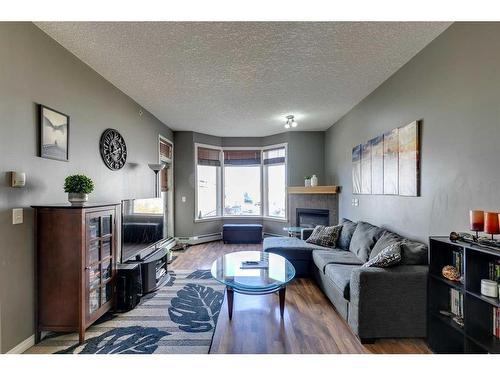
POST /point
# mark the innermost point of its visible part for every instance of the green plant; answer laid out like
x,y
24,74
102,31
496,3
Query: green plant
x,y
78,183
307,177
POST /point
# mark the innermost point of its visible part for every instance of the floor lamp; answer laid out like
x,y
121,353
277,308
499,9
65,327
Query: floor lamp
x,y
156,168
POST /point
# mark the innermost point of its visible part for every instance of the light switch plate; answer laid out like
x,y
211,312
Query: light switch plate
x,y
17,216
183,199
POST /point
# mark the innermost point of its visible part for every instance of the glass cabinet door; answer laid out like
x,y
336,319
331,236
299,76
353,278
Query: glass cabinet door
x,y
99,259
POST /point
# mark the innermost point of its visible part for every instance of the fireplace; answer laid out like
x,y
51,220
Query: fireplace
x,y
310,217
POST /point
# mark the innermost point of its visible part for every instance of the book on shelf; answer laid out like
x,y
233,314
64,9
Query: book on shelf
x,y
456,303
494,270
496,322
458,263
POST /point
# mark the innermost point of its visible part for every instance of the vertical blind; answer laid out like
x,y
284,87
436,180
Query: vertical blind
x,y
208,156
274,156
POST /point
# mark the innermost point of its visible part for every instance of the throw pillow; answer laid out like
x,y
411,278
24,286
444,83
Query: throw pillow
x,y
324,236
364,238
346,233
388,238
388,257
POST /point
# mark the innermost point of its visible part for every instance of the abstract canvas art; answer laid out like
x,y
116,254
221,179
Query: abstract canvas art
x,y
409,160
391,149
389,164
356,170
54,134
366,169
377,148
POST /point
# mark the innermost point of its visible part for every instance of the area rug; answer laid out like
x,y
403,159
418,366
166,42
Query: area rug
x,y
179,318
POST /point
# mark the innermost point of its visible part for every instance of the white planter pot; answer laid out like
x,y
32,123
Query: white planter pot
x,y
78,199
307,183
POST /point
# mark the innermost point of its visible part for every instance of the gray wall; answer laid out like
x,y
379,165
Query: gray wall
x,y
305,157
453,85
35,69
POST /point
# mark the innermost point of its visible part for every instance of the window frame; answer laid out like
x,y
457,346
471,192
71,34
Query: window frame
x,y
221,180
265,182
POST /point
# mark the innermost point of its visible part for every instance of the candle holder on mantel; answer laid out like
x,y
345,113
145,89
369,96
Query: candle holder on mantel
x,y
476,222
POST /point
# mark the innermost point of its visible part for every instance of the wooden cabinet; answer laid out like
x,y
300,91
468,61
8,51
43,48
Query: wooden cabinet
x,y
76,252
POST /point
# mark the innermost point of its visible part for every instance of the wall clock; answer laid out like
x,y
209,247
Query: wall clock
x,y
113,149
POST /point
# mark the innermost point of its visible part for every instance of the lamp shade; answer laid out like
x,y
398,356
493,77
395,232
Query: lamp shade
x,y
491,223
477,220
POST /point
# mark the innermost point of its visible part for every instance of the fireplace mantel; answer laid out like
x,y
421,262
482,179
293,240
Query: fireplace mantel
x,y
332,189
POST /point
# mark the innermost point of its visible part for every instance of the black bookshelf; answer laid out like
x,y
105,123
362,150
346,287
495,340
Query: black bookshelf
x,y
476,334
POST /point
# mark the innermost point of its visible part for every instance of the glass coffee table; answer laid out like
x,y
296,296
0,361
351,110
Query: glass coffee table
x,y
228,270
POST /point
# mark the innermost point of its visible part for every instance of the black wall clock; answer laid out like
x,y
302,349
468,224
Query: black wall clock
x,y
113,149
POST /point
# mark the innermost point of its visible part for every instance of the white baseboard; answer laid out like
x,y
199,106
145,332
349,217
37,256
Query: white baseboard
x,y
195,240
23,346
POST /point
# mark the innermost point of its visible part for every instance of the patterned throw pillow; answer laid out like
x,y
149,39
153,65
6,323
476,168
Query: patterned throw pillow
x,y
388,257
325,236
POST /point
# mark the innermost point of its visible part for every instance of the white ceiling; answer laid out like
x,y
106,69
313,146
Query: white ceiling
x,y
243,78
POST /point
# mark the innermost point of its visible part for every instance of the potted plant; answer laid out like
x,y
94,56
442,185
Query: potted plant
x,y
307,181
78,187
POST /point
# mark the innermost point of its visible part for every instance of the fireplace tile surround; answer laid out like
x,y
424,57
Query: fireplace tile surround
x,y
313,201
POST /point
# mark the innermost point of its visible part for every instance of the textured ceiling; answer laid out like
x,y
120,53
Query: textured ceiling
x,y
242,79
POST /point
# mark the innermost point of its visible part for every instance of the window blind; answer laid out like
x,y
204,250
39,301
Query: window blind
x,y
274,156
208,156
165,150
242,157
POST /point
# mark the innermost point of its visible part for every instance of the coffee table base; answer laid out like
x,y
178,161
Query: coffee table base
x,y
230,299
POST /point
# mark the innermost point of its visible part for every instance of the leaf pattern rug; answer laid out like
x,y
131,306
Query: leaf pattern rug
x,y
179,318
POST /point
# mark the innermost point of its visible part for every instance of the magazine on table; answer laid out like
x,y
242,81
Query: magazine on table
x,y
254,264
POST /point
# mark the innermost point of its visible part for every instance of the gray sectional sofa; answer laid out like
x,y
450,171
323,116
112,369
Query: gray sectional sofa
x,y
375,302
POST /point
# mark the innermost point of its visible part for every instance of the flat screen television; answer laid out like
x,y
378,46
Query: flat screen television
x,y
143,225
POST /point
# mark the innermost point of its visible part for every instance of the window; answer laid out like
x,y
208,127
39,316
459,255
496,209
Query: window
x,y
275,182
208,177
242,188
240,182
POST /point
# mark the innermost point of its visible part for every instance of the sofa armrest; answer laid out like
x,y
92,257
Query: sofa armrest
x,y
305,233
388,302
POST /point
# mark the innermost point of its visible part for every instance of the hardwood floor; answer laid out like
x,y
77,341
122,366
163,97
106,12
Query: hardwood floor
x,y
310,324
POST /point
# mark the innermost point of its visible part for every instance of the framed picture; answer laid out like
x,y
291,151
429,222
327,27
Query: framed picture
x,y
409,160
377,145
54,134
356,170
391,150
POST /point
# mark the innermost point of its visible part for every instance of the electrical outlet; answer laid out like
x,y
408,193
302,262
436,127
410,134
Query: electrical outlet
x,y
183,199
17,216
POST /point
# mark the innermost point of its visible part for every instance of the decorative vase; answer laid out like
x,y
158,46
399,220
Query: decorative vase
x,y
78,199
307,182
314,180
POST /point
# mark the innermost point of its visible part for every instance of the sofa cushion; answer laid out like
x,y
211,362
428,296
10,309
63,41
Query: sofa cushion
x,y
413,253
325,236
321,258
388,257
290,247
346,232
363,239
387,238
340,276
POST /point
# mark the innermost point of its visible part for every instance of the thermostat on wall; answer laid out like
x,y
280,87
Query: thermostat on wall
x,y
17,179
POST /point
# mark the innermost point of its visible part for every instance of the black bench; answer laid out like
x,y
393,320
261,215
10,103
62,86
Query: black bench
x,y
242,233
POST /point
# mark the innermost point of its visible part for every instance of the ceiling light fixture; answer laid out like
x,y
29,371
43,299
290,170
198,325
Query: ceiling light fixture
x,y
290,122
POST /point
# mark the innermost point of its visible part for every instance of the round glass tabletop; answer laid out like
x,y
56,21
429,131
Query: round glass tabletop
x,y
228,270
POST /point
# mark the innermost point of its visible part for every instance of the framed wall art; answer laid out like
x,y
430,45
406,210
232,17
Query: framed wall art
x,y
53,134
